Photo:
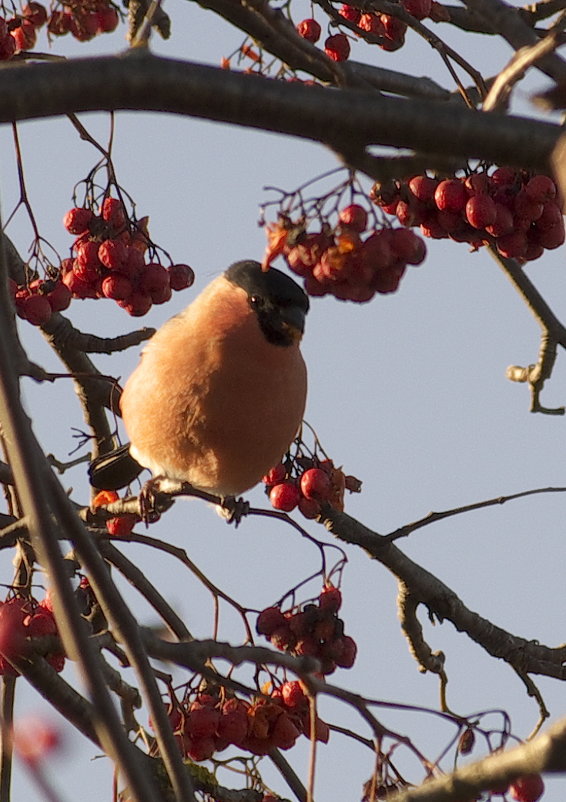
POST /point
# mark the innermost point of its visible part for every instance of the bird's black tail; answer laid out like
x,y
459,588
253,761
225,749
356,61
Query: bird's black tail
x,y
114,470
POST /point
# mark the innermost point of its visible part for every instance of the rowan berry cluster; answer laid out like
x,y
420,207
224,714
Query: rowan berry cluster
x,y
307,483
346,260
109,260
313,629
210,723
120,525
84,20
390,30
22,619
38,300
517,211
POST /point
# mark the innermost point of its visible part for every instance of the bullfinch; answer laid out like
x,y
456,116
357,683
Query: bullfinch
x,y
220,391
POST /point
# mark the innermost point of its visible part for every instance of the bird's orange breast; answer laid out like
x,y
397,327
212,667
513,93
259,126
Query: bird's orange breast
x,y
212,401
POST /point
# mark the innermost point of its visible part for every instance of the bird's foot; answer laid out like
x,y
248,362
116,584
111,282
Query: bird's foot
x,y
153,500
233,509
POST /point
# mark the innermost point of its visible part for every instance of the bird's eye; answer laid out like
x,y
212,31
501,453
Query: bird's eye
x,y
255,300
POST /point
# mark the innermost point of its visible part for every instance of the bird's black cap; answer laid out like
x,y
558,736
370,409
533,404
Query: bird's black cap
x,y
281,305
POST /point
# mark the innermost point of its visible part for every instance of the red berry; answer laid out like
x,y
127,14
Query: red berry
x,y
200,748
113,212
376,251
12,630
269,620
108,20
407,246
56,661
275,475
59,297
180,276
40,623
202,722
330,599
78,287
481,211
354,216
117,287
504,222
451,195
344,651
541,188
154,279
528,788
337,47
36,13
84,27
24,35
371,23
7,47
309,29
36,309
551,238
423,188
315,484
350,13
284,496
504,176
113,254
309,508
233,721
122,524
477,183
284,733
551,216
293,695
394,30
418,8
137,305
59,23
512,245
525,207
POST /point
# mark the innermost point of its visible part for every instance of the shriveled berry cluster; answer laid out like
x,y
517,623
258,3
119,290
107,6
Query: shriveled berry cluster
x,y
307,483
109,260
210,724
313,629
120,525
22,619
516,210
340,261
83,20
36,301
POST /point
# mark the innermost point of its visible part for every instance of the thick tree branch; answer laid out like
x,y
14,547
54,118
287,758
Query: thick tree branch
x,y
145,82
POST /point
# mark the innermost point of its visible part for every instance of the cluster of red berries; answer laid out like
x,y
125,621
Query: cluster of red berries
x,y
390,30
313,629
518,211
339,262
21,619
83,20
307,483
210,724
109,260
121,525
36,301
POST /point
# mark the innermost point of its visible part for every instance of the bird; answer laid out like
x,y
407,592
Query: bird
x,y
220,391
